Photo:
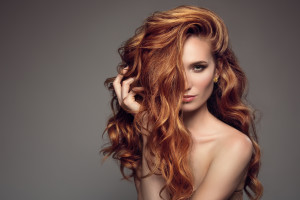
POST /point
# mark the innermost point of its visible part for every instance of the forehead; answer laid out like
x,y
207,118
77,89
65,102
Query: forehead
x,y
196,48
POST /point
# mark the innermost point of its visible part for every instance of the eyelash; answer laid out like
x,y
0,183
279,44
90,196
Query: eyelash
x,y
202,67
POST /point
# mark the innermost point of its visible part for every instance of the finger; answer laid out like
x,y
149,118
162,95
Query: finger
x,y
129,100
129,104
138,89
125,87
125,68
131,94
117,84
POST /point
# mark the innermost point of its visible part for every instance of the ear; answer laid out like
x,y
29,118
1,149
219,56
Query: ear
x,y
217,73
218,69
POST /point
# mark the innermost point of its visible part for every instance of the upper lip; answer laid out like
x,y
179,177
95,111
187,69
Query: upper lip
x,y
187,96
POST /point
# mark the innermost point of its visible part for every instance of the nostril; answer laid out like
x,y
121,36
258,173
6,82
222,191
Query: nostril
x,y
187,85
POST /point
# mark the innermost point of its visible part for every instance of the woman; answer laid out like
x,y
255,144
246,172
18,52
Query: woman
x,y
180,122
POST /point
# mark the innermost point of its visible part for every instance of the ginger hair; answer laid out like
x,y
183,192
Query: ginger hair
x,y
154,57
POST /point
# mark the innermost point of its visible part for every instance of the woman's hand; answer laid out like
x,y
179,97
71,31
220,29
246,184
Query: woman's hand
x,y
126,97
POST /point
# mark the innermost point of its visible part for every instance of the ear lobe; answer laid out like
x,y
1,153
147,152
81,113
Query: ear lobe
x,y
217,73
216,76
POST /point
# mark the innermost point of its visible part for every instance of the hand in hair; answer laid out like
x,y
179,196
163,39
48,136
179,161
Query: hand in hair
x,y
126,97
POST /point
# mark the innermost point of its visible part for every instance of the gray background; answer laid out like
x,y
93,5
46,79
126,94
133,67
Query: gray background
x,y
55,56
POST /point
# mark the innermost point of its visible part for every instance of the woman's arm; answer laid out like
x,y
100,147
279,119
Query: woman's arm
x,y
137,183
150,186
147,188
226,170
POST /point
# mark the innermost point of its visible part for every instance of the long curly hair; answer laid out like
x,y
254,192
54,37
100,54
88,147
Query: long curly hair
x,y
154,57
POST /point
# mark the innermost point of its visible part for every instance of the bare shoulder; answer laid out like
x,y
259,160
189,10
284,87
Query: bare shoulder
x,y
224,142
233,142
234,146
232,153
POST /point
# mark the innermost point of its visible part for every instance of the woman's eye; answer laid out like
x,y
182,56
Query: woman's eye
x,y
198,68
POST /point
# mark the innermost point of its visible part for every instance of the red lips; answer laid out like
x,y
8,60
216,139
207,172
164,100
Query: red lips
x,y
188,98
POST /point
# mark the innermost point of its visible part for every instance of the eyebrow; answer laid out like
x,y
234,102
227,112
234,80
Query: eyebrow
x,y
201,62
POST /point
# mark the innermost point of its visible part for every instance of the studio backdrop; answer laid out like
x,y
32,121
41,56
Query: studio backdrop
x,y
55,56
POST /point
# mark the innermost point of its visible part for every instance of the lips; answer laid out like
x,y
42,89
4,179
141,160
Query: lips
x,y
188,98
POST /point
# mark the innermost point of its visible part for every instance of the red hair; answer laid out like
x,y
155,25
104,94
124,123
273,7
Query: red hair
x,y
154,57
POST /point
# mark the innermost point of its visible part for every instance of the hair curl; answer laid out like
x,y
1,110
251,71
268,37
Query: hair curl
x,y
154,57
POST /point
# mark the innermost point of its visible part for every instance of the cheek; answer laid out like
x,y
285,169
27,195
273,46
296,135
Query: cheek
x,y
204,84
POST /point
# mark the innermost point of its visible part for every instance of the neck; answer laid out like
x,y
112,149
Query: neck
x,y
197,119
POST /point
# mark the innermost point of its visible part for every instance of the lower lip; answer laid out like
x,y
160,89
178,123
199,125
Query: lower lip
x,y
188,99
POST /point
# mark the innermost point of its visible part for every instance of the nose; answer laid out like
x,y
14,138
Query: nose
x,y
188,83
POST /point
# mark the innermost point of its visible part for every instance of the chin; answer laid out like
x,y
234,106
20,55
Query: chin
x,y
188,107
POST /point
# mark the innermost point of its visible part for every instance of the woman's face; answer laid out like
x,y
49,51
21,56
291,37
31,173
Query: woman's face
x,y
200,70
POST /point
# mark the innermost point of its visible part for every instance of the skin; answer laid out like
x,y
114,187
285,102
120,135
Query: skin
x,y
219,154
199,66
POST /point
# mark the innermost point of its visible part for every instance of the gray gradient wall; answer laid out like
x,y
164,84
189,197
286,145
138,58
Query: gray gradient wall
x,y
55,56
